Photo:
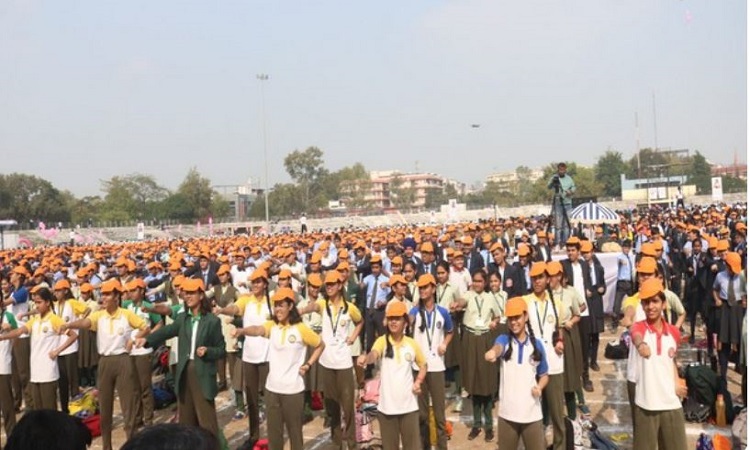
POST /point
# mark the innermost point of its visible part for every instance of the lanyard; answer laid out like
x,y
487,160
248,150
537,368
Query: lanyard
x,y
539,319
335,326
440,297
430,329
479,305
499,306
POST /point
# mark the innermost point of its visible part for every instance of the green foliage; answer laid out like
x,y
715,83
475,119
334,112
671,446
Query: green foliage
x,y
306,169
608,169
731,185
27,197
403,193
700,174
201,200
131,197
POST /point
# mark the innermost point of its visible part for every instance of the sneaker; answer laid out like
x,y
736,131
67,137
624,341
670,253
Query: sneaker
x,y
474,433
588,386
464,393
584,409
459,405
239,415
489,435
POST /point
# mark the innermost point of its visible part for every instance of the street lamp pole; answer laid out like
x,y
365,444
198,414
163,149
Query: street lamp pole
x,y
264,77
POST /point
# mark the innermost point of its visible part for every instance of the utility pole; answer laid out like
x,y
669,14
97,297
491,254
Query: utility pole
x,y
262,77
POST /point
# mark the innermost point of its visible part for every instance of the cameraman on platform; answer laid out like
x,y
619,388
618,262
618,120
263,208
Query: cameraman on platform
x,y
562,202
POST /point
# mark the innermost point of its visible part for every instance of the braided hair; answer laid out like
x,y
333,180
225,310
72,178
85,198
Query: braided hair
x,y
536,356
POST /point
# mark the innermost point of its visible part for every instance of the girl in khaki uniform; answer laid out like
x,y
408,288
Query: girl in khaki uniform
x,y
113,326
288,364
398,407
45,348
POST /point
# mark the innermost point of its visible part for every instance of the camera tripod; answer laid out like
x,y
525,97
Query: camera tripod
x,y
557,199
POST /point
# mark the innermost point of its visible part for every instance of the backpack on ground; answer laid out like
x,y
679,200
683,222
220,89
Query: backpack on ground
x,y
618,349
363,426
702,383
695,412
573,434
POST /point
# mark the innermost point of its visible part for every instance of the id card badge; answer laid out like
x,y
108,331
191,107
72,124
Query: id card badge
x,y
480,323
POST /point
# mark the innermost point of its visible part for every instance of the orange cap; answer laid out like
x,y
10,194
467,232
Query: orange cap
x,y
62,284
537,269
586,246
110,286
647,264
314,280
397,279
553,268
650,288
396,309
734,261
426,280
332,277
523,250
515,307
282,294
87,287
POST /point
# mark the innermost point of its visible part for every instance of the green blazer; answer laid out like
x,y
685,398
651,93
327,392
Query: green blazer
x,y
209,335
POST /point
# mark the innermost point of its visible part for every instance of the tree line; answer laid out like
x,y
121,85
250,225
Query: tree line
x,y
139,197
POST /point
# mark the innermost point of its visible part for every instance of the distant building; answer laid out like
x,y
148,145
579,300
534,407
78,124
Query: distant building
x,y
381,189
239,197
510,181
736,170
643,191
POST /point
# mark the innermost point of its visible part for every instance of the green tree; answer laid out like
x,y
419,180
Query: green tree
x,y
608,169
202,200
284,200
648,159
131,197
700,174
27,197
731,185
306,169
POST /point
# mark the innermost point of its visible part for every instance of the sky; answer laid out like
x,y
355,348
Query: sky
x,y
94,89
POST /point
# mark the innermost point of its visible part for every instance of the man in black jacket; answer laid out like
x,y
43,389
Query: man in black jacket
x,y
579,277
510,278
695,285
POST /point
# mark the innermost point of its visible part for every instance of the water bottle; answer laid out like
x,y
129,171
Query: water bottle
x,y
721,417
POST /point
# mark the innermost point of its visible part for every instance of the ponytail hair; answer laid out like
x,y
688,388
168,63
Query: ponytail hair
x,y
387,335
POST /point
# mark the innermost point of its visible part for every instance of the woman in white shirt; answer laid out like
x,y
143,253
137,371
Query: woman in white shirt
x,y
46,345
523,377
289,340
398,408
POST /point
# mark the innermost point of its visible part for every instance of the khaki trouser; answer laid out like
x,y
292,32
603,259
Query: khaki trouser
x,y
433,388
631,401
22,372
68,382
255,381
116,372
663,430
403,428
6,404
195,409
554,399
44,395
144,403
284,410
508,434
338,387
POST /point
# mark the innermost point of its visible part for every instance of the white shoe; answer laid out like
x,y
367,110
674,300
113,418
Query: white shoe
x,y
549,435
459,405
464,393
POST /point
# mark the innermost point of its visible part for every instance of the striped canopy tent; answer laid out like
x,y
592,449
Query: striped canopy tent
x,y
593,213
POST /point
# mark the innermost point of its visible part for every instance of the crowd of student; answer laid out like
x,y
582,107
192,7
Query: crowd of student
x,y
293,317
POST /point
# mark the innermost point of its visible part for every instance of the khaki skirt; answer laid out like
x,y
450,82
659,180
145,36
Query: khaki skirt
x,y
572,359
478,376
453,352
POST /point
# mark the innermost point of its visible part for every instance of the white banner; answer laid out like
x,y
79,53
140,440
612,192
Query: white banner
x,y
141,231
717,190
